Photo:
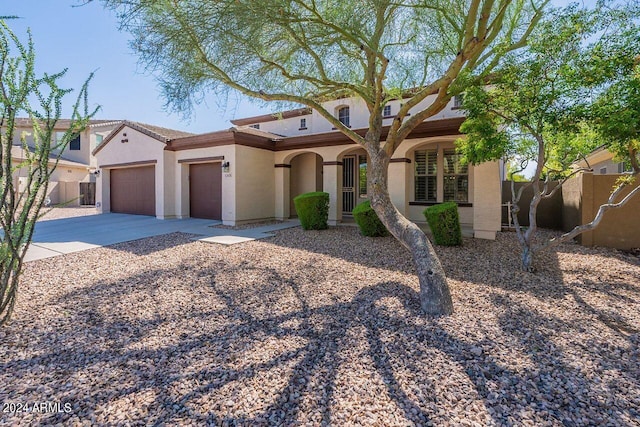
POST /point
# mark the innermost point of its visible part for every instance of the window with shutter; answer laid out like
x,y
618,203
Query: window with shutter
x,y
456,178
426,165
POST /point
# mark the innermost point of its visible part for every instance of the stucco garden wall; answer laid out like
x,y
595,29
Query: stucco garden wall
x,y
619,228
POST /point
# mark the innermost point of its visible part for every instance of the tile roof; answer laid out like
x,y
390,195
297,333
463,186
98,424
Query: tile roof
x,y
17,152
23,122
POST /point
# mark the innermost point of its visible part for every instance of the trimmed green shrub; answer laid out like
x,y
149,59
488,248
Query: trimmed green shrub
x,y
368,221
444,223
313,210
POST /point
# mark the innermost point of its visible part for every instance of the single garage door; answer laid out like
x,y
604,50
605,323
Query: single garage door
x,y
205,190
133,190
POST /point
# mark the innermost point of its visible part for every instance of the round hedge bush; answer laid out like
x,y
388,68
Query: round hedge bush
x,y
444,223
368,221
313,210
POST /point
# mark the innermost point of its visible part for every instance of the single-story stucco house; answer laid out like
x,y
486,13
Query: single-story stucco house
x,y
252,171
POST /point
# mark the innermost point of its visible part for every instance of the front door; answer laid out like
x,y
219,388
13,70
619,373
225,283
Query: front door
x,y
354,181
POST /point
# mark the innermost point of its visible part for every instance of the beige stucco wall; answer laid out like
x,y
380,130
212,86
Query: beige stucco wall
x,y
305,176
255,184
64,185
610,167
62,173
87,141
82,156
139,148
358,113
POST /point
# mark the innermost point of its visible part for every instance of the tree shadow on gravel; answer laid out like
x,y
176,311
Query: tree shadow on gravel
x,y
346,243
200,361
567,385
483,262
497,264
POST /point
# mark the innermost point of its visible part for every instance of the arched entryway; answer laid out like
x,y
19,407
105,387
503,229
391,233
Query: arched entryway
x,y
305,176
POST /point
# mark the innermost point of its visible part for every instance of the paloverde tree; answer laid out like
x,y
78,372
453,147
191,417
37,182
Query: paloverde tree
x,y
24,93
559,100
307,52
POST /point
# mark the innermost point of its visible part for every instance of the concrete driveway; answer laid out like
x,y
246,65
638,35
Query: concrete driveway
x,y
63,236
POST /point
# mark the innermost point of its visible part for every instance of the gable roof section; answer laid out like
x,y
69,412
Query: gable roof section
x,y
158,133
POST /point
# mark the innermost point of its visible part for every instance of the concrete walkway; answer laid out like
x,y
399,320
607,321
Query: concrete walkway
x,y
62,236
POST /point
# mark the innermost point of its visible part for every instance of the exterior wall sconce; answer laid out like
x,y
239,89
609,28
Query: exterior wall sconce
x,y
225,167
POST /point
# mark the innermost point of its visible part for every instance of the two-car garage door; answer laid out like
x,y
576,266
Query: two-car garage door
x,y
133,190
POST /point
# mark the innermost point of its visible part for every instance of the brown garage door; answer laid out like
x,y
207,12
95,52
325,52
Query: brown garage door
x,y
205,190
133,190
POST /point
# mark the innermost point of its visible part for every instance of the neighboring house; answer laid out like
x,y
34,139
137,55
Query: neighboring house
x,y
253,171
602,162
583,195
72,183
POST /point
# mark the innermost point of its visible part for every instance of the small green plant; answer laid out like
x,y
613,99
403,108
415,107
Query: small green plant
x,y
444,223
368,221
40,99
313,210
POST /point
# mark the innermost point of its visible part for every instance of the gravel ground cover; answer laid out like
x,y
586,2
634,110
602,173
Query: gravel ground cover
x,y
323,328
60,213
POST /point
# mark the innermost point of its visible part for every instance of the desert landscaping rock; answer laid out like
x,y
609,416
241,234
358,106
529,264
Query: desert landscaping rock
x,y
323,328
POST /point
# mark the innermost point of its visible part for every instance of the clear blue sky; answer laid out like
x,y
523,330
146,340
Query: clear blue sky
x,y
85,39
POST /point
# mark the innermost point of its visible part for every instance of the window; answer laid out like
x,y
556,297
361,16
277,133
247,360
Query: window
x,y
457,101
59,138
603,170
343,116
426,166
624,167
99,139
74,144
303,124
387,111
256,126
456,178
362,171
